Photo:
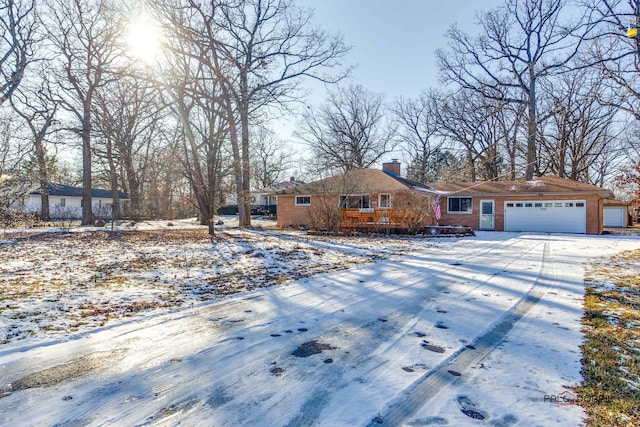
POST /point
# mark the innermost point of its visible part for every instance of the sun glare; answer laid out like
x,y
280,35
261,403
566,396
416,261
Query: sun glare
x,y
143,39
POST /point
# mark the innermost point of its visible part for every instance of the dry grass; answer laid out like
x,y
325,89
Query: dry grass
x,y
610,392
56,283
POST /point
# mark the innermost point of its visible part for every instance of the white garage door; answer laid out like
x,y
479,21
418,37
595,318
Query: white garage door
x,y
613,216
550,216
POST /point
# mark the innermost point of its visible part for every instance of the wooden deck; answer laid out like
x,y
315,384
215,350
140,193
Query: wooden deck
x,y
388,221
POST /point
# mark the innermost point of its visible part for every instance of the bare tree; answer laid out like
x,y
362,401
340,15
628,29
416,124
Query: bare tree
x,y
471,123
14,149
83,36
580,131
349,131
616,54
129,118
260,50
18,25
271,158
520,43
418,130
37,105
414,210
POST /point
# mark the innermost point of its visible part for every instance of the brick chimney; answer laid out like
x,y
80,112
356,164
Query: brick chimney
x,y
393,166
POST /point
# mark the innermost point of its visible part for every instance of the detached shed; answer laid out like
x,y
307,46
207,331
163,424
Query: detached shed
x,y
616,213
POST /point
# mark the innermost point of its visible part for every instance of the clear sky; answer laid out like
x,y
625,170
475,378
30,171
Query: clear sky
x,y
393,41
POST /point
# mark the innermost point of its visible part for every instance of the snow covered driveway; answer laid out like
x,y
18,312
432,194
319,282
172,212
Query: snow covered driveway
x,y
482,330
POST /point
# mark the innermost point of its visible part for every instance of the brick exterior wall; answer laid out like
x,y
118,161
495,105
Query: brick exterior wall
x,y
594,205
290,215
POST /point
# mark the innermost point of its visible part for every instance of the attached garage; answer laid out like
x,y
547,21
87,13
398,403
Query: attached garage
x,y
547,216
545,204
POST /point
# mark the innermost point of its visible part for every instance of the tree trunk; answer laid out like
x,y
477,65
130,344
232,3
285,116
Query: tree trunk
x,y
246,173
532,125
87,213
134,189
44,180
235,149
116,214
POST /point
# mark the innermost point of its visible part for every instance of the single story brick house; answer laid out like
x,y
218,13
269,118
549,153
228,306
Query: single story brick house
x,y
366,196
544,204
360,198
65,202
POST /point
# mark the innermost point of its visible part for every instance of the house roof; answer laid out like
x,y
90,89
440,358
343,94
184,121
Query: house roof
x,y
540,185
280,186
357,181
55,189
614,202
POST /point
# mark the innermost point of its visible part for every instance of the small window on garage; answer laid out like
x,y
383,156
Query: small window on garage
x,y
538,205
548,205
568,205
509,205
558,205
518,205
303,200
528,205
460,204
63,202
579,205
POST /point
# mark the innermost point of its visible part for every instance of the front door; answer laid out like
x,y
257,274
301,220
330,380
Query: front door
x,y
487,214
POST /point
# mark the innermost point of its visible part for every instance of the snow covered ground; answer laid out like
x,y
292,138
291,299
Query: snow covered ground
x,y
393,331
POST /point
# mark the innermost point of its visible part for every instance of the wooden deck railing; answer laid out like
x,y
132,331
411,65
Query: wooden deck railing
x,y
371,218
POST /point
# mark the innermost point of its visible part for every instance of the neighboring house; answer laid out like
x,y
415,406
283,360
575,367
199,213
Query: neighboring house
x,y
616,214
265,196
545,204
362,198
65,202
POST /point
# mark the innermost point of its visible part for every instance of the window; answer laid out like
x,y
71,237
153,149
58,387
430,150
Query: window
x,y
528,205
558,205
63,202
509,205
354,202
579,205
385,201
548,205
303,200
460,204
568,205
538,205
518,205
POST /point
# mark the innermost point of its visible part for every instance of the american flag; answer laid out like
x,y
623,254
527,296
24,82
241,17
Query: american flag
x,y
436,208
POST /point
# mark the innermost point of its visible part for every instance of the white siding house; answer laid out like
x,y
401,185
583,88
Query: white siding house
x,y
65,202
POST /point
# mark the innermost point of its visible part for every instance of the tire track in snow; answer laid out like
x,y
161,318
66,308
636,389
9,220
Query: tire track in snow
x,y
453,367
330,320
389,344
337,301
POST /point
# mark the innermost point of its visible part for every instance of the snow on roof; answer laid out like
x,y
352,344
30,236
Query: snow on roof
x,y
55,189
